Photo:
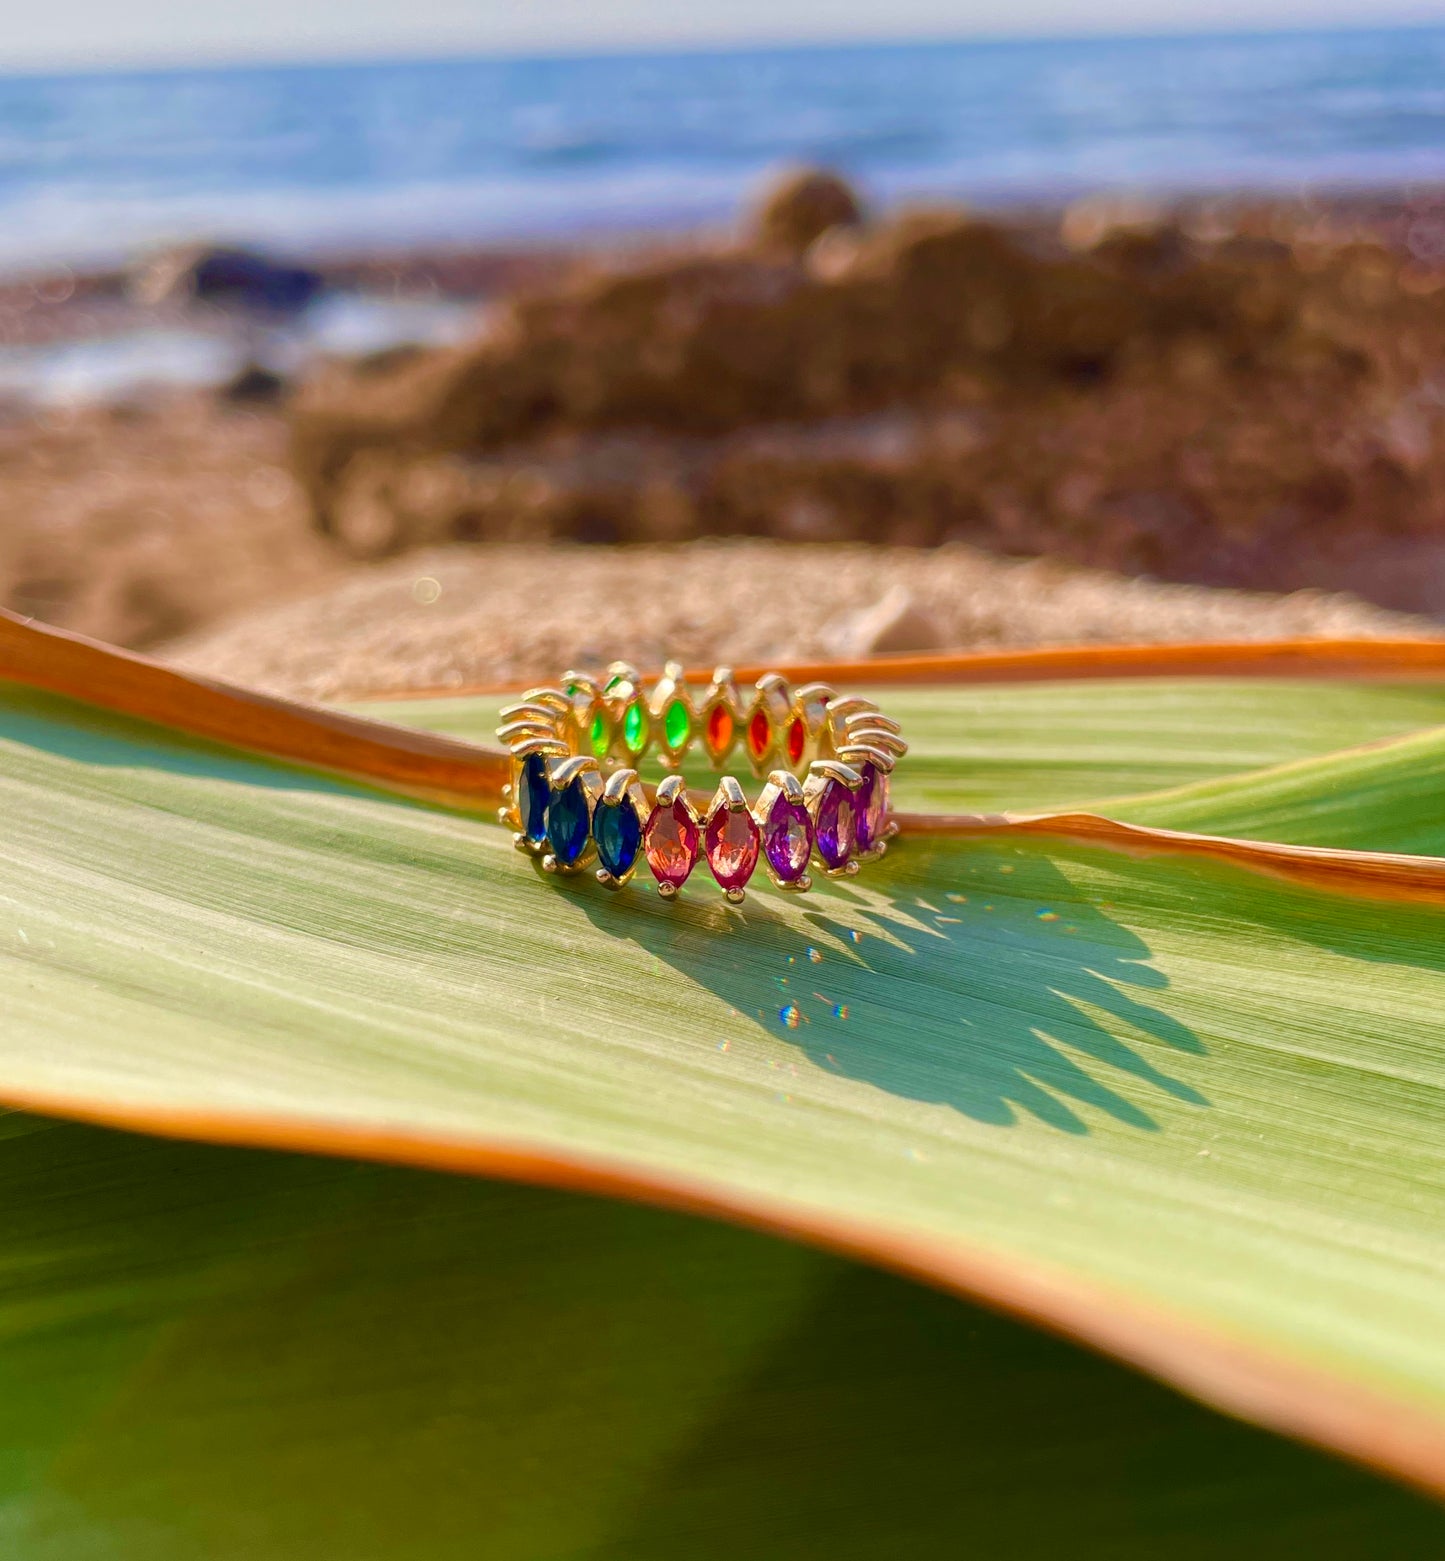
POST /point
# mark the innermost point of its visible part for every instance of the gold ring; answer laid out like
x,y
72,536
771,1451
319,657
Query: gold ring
x,y
575,797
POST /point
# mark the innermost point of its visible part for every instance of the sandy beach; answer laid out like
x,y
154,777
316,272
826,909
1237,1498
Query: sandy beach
x,y
1021,500
509,614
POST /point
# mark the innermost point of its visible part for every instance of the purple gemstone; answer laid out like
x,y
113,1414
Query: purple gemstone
x,y
870,807
788,839
835,824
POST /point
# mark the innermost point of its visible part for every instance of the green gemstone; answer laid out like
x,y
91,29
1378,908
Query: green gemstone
x,y
572,690
615,681
634,727
600,735
676,724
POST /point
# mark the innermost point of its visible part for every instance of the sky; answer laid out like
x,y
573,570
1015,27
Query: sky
x,y
88,34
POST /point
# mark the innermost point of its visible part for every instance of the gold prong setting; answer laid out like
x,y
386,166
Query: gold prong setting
x,y
575,799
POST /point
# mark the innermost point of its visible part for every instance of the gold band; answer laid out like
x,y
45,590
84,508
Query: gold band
x,y
575,796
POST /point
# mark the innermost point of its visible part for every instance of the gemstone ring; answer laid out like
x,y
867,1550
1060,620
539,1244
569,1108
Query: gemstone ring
x,y
576,799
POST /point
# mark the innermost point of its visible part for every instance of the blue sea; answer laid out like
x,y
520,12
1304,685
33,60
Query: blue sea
x,y
93,168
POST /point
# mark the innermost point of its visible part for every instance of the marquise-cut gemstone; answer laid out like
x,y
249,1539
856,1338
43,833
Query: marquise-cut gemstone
x,y
732,846
599,734
670,843
870,807
634,727
618,833
719,730
567,823
788,839
531,794
835,827
797,740
675,724
760,734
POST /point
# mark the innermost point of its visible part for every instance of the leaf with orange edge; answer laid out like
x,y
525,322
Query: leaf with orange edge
x,y
1131,1087
1386,796
1036,746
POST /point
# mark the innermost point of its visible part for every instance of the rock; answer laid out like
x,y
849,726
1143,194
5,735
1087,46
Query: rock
x,y
731,392
1094,219
893,625
254,383
237,279
800,206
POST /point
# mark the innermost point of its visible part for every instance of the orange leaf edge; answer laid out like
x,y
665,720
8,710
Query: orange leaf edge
x,y
1362,660
469,777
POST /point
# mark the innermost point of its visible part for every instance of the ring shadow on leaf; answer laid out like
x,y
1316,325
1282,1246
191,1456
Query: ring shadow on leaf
x,y
379,1339
1007,995
991,1010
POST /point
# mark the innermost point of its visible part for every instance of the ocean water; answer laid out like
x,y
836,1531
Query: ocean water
x,y
94,168
99,365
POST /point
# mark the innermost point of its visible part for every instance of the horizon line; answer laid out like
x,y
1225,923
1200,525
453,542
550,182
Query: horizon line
x,y
151,64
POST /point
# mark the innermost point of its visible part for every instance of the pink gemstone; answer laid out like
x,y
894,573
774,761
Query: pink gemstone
x,y
732,846
788,839
670,843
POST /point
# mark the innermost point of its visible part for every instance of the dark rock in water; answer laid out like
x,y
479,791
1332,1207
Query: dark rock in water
x,y
241,280
237,279
254,383
800,207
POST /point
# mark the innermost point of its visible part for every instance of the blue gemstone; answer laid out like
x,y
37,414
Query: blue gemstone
x,y
567,823
618,833
532,798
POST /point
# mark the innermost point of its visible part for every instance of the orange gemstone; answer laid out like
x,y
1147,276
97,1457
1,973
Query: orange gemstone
x,y
797,740
719,730
760,734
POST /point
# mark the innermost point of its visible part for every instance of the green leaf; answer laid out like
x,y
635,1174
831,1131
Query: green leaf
x,y
1186,1111
1384,798
1037,746
226,1354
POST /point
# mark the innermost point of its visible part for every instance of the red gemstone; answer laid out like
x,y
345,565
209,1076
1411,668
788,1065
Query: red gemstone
x,y
670,843
719,730
732,846
760,734
797,740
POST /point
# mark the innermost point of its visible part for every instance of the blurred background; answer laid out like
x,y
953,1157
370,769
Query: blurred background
x,y
447,344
